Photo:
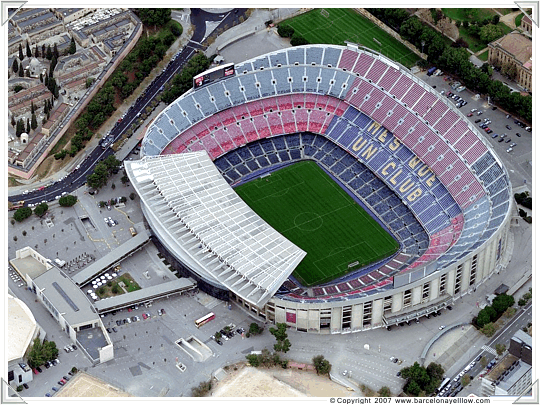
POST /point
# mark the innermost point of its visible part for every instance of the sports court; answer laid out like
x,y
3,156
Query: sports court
x,y
307,207
337,25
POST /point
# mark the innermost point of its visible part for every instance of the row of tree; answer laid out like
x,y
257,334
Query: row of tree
x,y
422,381
286,31
146,54
455,60
102,172
491,313
40,353
524,199
183,81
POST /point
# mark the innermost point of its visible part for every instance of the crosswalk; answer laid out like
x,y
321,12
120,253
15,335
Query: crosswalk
x,y
489,350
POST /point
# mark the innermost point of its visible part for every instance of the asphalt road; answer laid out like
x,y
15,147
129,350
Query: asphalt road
x,y
488,350
77,178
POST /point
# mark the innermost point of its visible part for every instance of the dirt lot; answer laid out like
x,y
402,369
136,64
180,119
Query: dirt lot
x,y
253,382
84,385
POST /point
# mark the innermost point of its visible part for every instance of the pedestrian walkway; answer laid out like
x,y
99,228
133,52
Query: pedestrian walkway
x,y
489,350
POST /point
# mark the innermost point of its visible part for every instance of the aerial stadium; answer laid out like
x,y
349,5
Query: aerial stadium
x,y
325,187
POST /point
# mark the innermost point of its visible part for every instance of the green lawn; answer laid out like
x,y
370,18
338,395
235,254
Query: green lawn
x,y
484,55
307,207
344,24
475,43
518,19
468,14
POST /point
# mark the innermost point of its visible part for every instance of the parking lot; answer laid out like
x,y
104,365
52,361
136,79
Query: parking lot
x,y
518,160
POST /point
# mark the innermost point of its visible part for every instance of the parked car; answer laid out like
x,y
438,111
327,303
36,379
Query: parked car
x,y
513,144
501,140
503,136
479,113
508,127
477,121
25,385
47,394
66,378
474,110
442,327
469,114
74,347
61,382
55,362
518,134
489,131
39,369
494,136
509,150
54,389
509,140
114,329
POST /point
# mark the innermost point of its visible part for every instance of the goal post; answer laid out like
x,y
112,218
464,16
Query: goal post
x,y
325,13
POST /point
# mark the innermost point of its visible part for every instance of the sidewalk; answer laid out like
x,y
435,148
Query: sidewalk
x,y
109,124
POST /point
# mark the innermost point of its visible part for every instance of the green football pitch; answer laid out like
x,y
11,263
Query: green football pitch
x,y
336,25
307,207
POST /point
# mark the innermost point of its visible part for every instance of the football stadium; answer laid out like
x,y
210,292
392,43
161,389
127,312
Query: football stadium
x,y
326,187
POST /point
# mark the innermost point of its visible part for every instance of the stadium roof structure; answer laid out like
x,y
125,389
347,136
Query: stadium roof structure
x,y
205,218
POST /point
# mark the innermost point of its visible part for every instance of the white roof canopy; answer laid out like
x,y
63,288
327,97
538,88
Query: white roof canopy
x,y
200,210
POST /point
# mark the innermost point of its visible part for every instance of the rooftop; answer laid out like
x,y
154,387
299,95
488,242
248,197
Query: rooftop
x,y
28,265
517,45
193,200
66,297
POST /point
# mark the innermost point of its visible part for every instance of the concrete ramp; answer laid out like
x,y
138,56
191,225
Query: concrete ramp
x,y
194,348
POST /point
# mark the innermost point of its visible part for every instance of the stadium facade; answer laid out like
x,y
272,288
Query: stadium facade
x,y
385,136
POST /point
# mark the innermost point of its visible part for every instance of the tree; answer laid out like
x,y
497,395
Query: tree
x,y
285,31
280,333
490,32
111,162
176,29
132,197
218,335
28,50
495,20
28,125
124,179
115,289
385,392
502,302
49,350
43,51
253,360
483,361
20,127
482,318
89,82
55,51
21,70
297,40
36,51
322,366
21,55
72,46
33,123
15,66
254,328
67,200
49,53
154,16
458,23
41,209
500,348
13,122
488,329
465,380
35,355
435,371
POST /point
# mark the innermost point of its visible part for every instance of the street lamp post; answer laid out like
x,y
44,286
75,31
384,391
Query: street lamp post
x,y
423,43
